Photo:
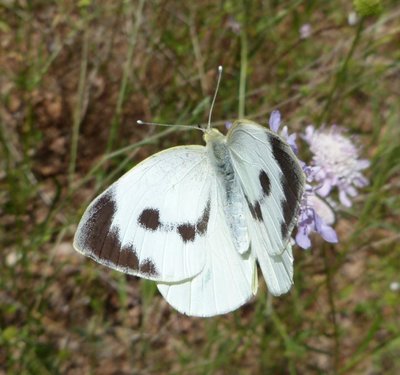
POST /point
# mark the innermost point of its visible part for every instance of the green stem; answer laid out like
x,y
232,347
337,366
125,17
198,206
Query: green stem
x,y
125,77
330,289
243,69
341,75
281,328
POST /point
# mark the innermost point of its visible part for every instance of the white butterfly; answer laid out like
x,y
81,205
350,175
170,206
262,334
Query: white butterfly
x,y
195,219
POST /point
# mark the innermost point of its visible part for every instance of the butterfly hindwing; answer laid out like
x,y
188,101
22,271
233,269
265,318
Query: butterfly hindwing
x,y
144,225
277,269
227,280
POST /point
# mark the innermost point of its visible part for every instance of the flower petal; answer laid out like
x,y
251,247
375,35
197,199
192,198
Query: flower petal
x,y
309,133
363,164
328,234
351,191
325,188
302,239
344,199
275,120
322,209
361,181
228,124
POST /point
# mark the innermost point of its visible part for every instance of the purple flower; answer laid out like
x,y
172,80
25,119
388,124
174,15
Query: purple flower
x,y
228,124
336,163
275,123
305,31
234,25
315,215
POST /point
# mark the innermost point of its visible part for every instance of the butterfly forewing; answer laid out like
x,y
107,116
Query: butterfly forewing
x,y
272,181
154,220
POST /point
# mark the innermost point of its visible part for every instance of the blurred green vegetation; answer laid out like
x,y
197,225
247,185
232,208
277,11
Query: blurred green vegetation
x,y
74,78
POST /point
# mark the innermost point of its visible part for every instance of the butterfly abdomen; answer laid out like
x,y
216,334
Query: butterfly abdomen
x,y
234,202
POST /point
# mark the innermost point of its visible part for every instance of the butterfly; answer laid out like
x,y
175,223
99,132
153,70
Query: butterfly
x,y
197,219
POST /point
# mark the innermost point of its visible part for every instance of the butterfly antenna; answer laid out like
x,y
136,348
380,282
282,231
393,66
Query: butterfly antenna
x,y
140,122
215,95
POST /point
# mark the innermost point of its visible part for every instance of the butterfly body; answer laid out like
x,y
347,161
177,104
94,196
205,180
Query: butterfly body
x,y
234,209
196,219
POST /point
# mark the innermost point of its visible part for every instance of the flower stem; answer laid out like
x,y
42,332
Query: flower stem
x,y
331,300
127,73
340,76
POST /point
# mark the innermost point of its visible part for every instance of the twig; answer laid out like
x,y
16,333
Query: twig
x,y
79,108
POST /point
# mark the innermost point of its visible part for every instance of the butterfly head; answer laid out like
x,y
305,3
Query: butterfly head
x,y
213,135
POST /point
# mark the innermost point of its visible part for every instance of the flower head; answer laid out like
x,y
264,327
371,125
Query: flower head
x,y
315,215
234,25
228,124
335,163
305,31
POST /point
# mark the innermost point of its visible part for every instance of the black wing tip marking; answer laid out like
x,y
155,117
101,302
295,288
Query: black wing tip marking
x,y
102,241
149,219
96,230
292,183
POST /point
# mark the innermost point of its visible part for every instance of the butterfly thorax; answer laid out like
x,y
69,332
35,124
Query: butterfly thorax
x,y
233,200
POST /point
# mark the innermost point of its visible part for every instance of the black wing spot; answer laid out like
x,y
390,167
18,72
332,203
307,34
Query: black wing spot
x,y
265,183
150,219
148,268
255,209
202,224
187,232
